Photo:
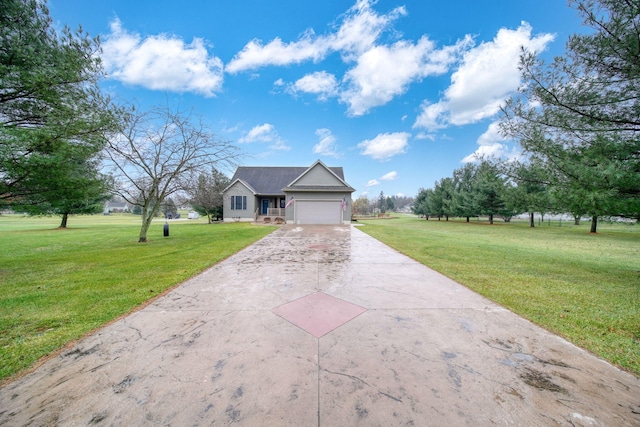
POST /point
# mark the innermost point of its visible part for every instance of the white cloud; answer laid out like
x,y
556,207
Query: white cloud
x,y
279,145
487,75
386,145
423,135
377,72
161,62
386,177
327,145
260,133
359,30
491,145
319,83
265,133
255,55
384,72
391,176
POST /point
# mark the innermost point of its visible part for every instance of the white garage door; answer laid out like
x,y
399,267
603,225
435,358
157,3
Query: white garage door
x,y
316,212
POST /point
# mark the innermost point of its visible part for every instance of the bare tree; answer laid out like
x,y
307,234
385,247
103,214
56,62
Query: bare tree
x,y
154,153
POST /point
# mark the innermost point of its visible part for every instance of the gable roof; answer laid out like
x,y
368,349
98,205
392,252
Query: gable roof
x,y
242,182
299,183
272,180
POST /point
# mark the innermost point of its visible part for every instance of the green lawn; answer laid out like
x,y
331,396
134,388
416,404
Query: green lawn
x,y
582,286
56,285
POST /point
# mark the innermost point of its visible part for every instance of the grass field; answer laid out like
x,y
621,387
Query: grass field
x,y
58,284
582,286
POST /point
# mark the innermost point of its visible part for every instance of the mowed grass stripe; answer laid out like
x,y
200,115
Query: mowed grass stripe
x,y
57,285
584,287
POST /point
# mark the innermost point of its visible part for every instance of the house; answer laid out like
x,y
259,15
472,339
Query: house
x,y
116,206
299,195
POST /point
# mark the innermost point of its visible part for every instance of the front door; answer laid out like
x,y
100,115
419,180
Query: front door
x,y
265,206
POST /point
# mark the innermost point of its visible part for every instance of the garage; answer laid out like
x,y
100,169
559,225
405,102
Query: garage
x,y
318,212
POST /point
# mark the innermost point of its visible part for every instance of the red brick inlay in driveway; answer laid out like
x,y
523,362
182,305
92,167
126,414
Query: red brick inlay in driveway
x,y
318,313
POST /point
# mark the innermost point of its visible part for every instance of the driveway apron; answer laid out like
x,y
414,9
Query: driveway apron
x,y
326,326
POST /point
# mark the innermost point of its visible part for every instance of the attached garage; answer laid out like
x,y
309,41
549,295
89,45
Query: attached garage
x,y
318,212
300,195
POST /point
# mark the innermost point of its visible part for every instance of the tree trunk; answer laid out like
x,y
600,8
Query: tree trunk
x,y
576,219
143,231
490,218
594,223
467,219
147,217
65,217
532,222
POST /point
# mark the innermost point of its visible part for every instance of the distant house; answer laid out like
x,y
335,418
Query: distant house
x,y
300,195
116,206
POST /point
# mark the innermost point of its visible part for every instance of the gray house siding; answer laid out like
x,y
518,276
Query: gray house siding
x,y
230,213
318,193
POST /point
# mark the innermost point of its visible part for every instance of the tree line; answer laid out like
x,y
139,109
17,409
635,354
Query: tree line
x,y
577,120
473,190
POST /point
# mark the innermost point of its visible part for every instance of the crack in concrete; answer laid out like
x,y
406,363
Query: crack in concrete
x,y
355,378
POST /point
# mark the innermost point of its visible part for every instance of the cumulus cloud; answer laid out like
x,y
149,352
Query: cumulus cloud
x,y
359,30
384,72
265,133
255,55
161,62
491,144
327,145
386,145
379,72
391,176
320,83
386,177
487,75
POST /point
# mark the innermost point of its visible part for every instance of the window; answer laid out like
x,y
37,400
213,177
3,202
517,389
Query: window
x,y
282,203
238,203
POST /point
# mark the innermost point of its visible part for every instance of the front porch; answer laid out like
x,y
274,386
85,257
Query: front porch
x,y
270,210
270,215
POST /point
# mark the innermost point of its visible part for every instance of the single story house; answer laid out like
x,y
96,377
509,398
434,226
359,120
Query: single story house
x,y
116,206
298,195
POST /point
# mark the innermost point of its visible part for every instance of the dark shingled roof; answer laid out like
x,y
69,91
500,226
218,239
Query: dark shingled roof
x,y
270,180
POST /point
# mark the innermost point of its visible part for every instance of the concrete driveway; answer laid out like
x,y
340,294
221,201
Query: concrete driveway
x,y
326,326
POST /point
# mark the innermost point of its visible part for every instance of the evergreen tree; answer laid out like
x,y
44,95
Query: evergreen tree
x,y
71,185
51,108
206,194
580,114
464,200
488,191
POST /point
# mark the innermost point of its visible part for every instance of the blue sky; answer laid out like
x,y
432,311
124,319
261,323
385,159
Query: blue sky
x,y
399,93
